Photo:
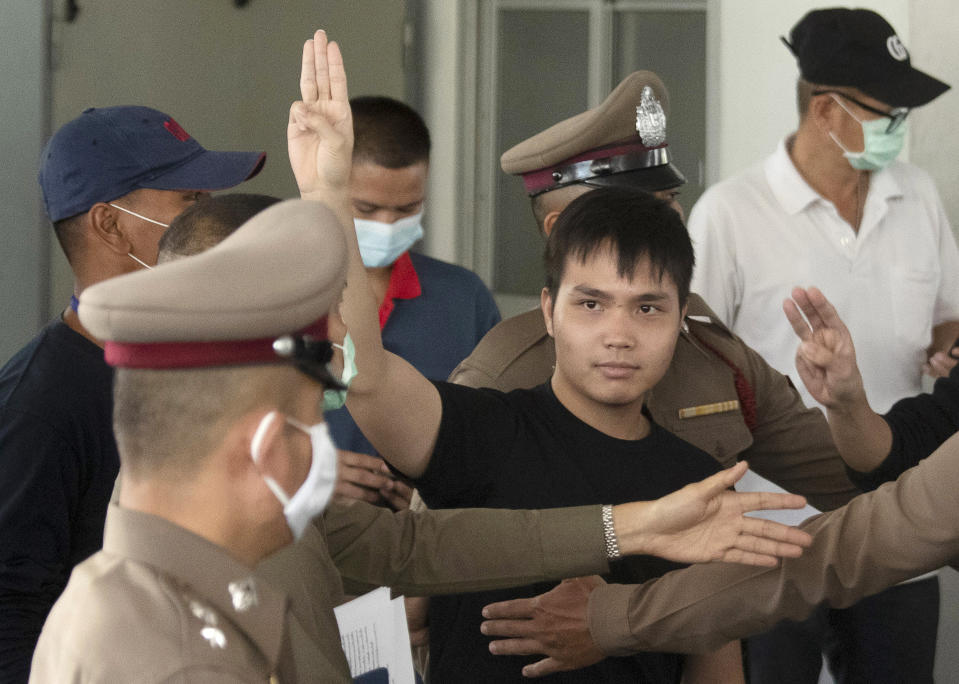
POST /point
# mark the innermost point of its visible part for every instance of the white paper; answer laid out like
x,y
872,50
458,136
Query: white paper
x,y
374,634
751,482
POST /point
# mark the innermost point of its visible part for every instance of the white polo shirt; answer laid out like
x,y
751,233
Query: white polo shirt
x,y
761,233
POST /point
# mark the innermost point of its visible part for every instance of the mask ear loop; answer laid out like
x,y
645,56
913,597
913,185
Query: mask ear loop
x,y
140,261
255,445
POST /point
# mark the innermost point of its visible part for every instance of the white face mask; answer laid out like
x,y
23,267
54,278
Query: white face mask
x,y
139,216
382,243
314,494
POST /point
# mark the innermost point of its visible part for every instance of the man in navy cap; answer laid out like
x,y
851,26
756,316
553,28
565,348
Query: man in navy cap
x,y
832,207
112,179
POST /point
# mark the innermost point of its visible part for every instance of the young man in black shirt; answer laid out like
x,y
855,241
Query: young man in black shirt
x,y
618,268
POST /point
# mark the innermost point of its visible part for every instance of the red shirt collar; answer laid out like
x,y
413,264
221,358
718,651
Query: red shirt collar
x,y
404,284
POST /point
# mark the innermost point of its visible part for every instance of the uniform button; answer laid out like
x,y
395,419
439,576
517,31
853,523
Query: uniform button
x,y
243,593
845,240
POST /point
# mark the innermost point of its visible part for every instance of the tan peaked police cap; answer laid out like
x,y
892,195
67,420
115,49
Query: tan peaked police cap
x,y
620,142
276,277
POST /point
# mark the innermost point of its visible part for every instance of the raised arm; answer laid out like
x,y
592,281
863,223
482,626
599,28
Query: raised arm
x,y
826,361
320,142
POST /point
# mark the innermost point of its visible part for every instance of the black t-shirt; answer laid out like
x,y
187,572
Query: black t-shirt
x,y
524,449
58,465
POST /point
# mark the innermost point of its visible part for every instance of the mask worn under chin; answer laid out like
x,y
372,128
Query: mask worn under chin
x,y
332,398
879,147
314,494
382,243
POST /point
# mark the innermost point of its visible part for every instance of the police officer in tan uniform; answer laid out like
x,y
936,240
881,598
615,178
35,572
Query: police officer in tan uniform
x,y
222,360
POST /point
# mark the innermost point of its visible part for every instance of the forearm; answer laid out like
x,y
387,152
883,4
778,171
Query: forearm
x,y
899,531
358,307
862,437
453,551
722,666
792,444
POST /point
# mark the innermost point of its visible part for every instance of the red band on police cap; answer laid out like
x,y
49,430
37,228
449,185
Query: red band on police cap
x,y
199,354
541,179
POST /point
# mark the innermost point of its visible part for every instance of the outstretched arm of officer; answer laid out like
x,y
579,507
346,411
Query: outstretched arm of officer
x,y
320,142
826,361
705,521
699,523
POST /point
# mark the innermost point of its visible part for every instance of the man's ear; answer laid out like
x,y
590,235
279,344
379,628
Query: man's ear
x,y
822,110
546,305
549,221
105,227
260,434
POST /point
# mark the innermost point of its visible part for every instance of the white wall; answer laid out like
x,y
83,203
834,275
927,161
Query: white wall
x,y
934,48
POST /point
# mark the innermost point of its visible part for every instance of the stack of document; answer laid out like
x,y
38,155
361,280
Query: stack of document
x,y
374,635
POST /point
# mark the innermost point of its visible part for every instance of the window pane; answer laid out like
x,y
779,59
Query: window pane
x,y
542,80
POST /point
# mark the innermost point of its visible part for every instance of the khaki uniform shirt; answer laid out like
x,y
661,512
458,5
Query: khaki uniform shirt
x,y
901,530
696,400
160,604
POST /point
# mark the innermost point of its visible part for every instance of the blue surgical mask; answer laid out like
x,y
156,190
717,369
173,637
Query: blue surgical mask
x,y
382,243
336,398
879,147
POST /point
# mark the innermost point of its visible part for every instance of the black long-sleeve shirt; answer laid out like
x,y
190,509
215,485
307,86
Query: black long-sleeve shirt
x,y
919,425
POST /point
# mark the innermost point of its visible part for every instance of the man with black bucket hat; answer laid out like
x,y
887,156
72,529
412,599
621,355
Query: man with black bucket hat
x,y
112,179
833,207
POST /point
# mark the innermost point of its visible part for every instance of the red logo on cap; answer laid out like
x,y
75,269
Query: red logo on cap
x,y
176,130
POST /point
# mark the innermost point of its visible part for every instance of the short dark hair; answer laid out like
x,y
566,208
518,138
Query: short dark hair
x,y
389,133
68,232
803,96
632,222
169,420
208,221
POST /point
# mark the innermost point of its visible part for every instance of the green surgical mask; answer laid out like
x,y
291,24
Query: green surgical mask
x,y
336,398
879,147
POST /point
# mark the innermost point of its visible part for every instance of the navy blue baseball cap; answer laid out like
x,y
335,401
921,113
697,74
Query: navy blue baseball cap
x,y
108,152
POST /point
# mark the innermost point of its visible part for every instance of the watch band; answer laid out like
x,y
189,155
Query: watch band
x,y
609,533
